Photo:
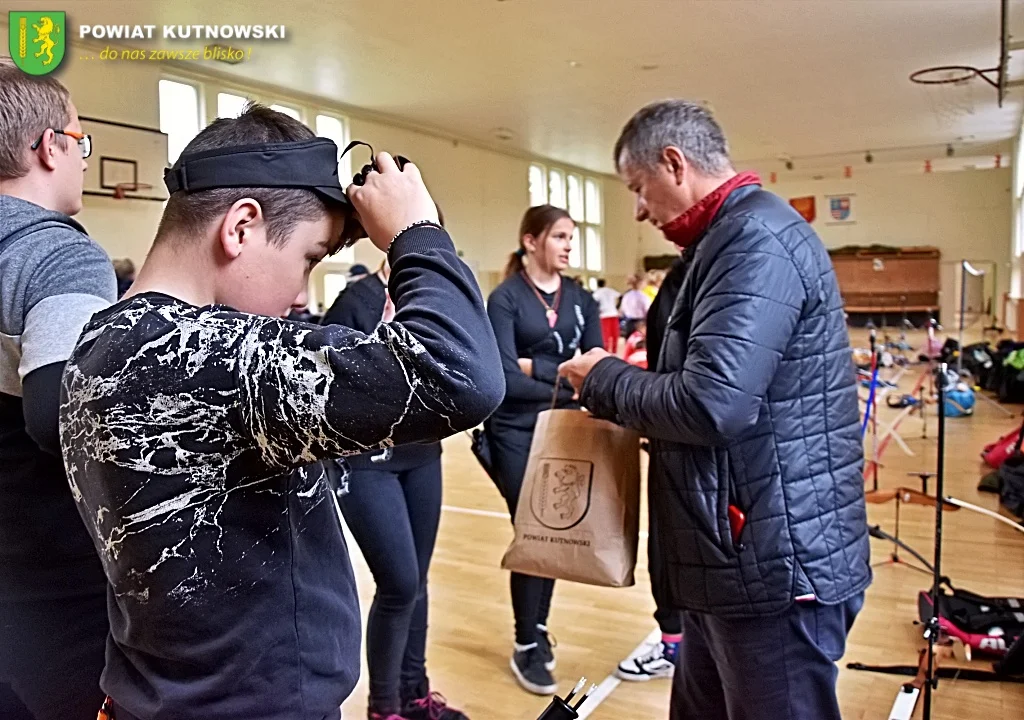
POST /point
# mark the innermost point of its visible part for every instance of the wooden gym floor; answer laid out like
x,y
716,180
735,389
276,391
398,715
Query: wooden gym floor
x,y
471,618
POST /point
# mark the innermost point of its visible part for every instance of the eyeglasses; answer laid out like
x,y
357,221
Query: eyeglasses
x,y
84,141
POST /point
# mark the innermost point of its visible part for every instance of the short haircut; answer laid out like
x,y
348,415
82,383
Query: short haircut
x,y
29,104
190,214
686,125
600,282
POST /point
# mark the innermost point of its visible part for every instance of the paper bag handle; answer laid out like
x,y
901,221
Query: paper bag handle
x,y
558,386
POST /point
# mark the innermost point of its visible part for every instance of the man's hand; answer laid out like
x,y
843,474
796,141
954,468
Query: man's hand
x,y
526,365
391,200
577,369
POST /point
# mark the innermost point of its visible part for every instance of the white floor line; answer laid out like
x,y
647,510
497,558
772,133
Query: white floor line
x,y
608,685
474,511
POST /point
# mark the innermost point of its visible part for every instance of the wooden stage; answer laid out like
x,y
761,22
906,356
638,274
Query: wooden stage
x,y
471,618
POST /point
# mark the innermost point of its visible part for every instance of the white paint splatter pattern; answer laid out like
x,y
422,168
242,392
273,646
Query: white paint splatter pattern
x,y
181,426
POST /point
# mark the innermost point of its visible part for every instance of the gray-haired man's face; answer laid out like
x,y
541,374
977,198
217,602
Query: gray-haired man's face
x,y
660,197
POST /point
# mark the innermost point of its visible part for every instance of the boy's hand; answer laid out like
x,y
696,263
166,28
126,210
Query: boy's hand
x,y
391,200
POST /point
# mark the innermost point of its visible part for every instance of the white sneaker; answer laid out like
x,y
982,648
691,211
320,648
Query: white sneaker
x,y
648,666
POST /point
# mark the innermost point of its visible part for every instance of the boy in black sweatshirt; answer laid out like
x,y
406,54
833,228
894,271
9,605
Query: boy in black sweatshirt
x,y
188,405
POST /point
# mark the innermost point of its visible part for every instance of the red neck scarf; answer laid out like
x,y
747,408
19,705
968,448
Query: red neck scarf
x,y
688,227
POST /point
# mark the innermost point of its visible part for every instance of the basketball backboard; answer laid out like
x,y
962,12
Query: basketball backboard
x,y
125,159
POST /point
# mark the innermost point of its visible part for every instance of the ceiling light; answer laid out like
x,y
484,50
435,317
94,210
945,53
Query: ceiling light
x,y
504,134
574,64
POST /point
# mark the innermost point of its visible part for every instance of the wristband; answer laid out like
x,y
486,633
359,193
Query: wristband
x,y
404,230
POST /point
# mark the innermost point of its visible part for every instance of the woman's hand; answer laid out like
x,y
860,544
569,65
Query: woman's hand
x,y
526,365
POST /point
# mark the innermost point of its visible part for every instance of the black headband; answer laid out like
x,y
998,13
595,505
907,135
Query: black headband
x,y
305,165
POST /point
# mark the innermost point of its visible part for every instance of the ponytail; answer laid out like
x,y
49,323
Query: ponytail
x,y
515,265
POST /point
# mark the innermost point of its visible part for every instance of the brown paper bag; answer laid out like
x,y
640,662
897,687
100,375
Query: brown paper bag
x,y
578,513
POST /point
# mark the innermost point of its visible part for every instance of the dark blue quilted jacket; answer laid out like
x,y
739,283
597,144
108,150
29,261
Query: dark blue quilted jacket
x,y
754,404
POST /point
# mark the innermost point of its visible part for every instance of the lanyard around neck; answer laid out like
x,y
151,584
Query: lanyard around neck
x,y
550,311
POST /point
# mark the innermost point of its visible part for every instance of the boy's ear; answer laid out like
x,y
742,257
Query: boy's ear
x,y
239,226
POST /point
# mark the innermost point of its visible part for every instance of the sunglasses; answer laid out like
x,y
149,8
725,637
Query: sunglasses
x,y
84,141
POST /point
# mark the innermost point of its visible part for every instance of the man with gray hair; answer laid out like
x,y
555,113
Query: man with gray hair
x,y
53,615
755,489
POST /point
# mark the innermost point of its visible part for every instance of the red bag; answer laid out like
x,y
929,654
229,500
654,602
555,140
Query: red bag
x,y
996,453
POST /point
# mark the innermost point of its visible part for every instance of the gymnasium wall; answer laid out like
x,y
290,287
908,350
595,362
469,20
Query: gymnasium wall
x,y
483,192
965,214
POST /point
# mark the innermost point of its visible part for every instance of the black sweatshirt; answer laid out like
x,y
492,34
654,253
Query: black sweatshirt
x,y
360,307
231,594
522,331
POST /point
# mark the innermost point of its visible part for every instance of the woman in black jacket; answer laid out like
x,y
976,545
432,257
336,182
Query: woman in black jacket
x,y
393,507
540,319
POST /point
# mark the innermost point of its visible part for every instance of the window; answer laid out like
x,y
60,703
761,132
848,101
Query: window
x,y
538,185
575,258
334,283
582,198
336,129
593,248
576,198
1019,164
289,111
179,115
230,106
556,188
593,202
1018,198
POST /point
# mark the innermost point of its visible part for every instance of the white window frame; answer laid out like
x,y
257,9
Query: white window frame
x,y
587,219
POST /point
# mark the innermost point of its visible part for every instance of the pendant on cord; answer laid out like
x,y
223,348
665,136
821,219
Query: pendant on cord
x,y
552,317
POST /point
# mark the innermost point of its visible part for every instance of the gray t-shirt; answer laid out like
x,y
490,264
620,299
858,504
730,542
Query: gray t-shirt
x,y
53,277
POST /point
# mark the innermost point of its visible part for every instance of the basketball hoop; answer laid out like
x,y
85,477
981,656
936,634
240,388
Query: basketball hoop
x,y
952,75
121,190
952,90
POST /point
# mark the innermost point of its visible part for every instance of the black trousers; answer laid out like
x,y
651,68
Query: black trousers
x,y
763,668
394,517
51,657
531,596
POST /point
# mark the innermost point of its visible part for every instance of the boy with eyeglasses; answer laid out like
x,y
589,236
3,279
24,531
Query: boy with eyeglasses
x,y
53,277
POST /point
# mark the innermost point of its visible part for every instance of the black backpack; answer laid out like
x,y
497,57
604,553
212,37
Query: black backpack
x,y
1010,479
991,625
